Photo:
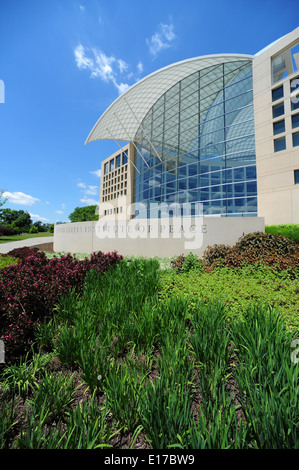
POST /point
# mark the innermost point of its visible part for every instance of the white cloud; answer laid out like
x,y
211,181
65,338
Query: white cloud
x,y
83,62
59,212
162,39
140,67
38,217
122,87
82,8
91,190
18,197
123,66
102,66
96,173
89,201
88,190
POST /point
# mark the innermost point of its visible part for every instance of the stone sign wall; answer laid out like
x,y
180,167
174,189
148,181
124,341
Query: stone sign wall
x,y
153,237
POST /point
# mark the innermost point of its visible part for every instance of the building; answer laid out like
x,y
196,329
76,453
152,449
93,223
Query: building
x,y
222,130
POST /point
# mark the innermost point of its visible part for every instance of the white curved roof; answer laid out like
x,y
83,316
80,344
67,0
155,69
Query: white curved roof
x,y
123,117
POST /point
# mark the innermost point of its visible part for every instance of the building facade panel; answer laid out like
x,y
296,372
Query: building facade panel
x,y
275,75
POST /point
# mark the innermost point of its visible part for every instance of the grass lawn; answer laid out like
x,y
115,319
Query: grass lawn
x,y
24,236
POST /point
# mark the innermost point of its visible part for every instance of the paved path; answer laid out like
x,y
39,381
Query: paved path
x,y
6,247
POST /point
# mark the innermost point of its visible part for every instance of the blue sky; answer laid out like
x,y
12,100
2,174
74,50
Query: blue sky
x,y
63,62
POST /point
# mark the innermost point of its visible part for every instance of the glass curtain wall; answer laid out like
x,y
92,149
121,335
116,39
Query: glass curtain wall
x,y
197,144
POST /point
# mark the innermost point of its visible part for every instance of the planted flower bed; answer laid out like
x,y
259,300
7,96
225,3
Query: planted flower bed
x,y
30,289
136,357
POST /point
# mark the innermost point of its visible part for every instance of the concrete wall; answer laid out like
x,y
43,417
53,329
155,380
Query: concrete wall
x,y
278,196
154,237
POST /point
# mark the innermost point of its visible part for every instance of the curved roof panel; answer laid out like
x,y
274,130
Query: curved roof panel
x,y
123,117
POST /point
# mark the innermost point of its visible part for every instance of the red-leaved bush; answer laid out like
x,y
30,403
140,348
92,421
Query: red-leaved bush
x,y
30,289
6,232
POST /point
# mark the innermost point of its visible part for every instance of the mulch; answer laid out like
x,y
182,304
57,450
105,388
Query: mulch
x,y
45,247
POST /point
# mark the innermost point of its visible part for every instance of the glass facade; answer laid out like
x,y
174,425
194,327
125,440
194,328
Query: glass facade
x,y
197,144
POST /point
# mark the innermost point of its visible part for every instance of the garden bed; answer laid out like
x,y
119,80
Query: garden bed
x,y
190,357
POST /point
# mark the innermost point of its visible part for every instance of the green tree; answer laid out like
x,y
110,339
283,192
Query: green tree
x,y
2,198
13,218
40,227
83,214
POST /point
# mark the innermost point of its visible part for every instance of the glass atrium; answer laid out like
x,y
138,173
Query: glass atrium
x,y
197,144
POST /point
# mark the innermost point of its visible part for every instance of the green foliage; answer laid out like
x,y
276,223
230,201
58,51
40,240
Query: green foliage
x,y
51,228
285,230
33,229
40,227
13,218
184,361
238,289
186,263
2,199
7,261
82,214
267,378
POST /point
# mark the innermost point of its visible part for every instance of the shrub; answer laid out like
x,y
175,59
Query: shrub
x,y
33,229
23,252
263,249
265,243
7,232
30,290
187,263
213,253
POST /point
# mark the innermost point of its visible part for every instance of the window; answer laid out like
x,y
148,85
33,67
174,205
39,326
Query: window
x,y
118,161
296,176
295,102
279,144
278,110
125,157
106,168
296,139
295,121
112,164
285,64
279,127
277,93
294,84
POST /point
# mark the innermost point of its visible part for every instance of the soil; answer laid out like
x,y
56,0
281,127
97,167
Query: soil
x,y
45,247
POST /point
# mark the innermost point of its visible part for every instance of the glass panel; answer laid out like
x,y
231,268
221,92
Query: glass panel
x,y
279,144
278,110
125,157
193,182
279,127
112,164
285,64
277,93
238,102
295,121
295,102
251,188
250,172
296,176
106,168
296,139
118,161
238,88
294,84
